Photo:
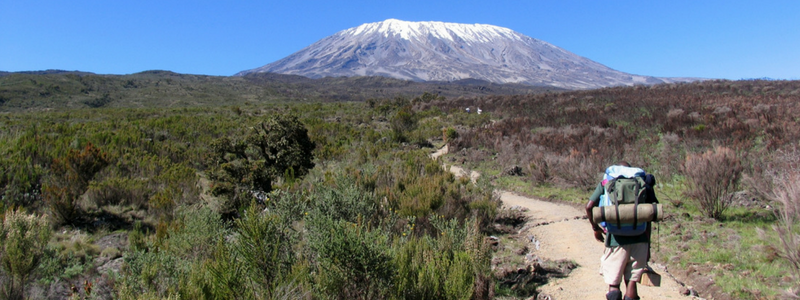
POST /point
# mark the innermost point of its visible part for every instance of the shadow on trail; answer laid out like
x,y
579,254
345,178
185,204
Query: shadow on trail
x,y
524,282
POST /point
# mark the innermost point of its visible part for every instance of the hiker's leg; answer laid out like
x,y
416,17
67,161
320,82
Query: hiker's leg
x,y
613,264
631,291
635,268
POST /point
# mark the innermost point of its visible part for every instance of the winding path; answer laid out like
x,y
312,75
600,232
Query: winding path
x,y
565,234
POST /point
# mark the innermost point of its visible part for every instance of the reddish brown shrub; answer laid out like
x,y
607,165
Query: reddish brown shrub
x,y
70,179
712,177
787,195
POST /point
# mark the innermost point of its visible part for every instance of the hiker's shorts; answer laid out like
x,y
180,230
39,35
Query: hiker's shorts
x,y
626,261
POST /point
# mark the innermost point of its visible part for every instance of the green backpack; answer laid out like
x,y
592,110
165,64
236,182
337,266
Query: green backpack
x,y
625,186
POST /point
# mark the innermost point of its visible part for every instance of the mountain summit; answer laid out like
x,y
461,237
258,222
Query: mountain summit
x,y
438,51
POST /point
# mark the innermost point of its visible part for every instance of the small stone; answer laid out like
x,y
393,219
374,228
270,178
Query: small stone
x,y
685,291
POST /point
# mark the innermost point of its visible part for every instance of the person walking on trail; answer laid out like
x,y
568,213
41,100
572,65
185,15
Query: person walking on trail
x,y
626,252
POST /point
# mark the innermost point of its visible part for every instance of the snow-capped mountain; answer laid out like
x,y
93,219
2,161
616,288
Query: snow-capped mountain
x,y
437,51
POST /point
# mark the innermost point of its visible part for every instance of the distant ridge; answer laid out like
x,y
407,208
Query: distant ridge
x,y
46,72
438,51
155,88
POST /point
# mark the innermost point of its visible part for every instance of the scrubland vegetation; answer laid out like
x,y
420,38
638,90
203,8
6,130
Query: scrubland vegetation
x,y
280,199
265,202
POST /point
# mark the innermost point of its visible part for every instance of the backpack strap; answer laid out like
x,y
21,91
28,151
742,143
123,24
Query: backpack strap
x,y
655,211
636,206
602,215
612,195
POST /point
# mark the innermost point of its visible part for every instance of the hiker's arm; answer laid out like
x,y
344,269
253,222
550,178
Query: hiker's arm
x,y
594,200
598,232
589,205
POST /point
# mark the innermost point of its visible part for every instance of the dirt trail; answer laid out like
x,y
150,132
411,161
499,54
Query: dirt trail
x,y
563,233
569,236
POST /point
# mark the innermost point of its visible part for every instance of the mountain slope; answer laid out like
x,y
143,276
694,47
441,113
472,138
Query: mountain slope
x,y
437,51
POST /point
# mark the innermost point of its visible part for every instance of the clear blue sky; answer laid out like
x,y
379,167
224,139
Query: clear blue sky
x,y
711,39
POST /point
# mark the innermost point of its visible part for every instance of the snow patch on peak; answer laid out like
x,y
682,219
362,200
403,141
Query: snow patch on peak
x,y
477,33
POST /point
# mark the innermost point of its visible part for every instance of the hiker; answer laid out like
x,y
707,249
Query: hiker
x,y
626,253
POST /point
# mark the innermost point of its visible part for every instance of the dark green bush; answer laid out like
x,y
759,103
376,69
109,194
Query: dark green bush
x,y
250,164
402,123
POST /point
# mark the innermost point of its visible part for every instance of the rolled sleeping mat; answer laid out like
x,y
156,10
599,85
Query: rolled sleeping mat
x,y
647,212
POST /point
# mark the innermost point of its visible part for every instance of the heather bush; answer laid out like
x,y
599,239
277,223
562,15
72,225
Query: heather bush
x,y
579,169
422,196
712,178
668,155
787,195
70,179
345,201
264,243
353,259
426,272
449,134
20,184
167,260
119,191
767,169
442,266
23,239
402,123
539,167
775,178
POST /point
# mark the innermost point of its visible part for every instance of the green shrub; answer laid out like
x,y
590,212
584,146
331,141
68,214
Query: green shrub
x,y
425,270
447,265
264,244
346,202
402,123
421,269
354,260
23,238
449,134
222,276
166,263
